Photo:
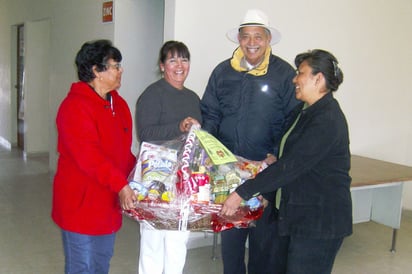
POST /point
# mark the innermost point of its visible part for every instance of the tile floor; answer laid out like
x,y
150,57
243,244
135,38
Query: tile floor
x,y
30,242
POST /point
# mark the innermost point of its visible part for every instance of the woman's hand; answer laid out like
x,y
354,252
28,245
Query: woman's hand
x,y
231,204
270,159
187,123
265,202
127,198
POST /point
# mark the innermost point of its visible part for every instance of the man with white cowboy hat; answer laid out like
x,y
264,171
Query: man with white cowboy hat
x,y
255,17
245,105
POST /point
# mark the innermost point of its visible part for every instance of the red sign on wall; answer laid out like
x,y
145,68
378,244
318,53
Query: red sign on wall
x,y
107,13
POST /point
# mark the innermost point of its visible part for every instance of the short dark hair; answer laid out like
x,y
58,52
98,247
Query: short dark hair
x,y
322,61
95,53
175,48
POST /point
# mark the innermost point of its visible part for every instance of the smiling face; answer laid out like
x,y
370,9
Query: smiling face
x,y
307,85
254,41
175,70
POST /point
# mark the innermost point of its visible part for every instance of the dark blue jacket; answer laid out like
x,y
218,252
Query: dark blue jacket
x,y
247,112
313,174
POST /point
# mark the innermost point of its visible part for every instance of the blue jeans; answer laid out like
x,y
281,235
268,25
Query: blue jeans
x,y
299,255
87,254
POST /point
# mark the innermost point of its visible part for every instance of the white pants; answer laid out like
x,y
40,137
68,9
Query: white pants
x,y
162,251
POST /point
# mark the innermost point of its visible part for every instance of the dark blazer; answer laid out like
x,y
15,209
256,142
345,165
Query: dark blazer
x,y
313,174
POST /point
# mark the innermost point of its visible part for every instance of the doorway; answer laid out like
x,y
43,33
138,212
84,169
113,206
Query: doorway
x,y
30,77
19,86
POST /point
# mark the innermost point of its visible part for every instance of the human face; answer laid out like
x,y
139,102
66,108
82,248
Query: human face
x,y
254,41
306,84
175,70
112,76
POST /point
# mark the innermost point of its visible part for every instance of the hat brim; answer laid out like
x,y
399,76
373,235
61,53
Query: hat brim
x,y
233,33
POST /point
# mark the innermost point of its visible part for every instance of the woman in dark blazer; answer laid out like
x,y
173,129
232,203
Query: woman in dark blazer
x,y
311,175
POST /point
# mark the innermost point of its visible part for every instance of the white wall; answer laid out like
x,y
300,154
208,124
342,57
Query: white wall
x,y
371,39
73,23
138,34
136,31
36,86
5,100
13,13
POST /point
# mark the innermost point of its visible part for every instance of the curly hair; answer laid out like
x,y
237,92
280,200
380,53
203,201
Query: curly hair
x,y
95,53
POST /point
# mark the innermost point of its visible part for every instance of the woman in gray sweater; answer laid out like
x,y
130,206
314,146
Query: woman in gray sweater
x,y
164,111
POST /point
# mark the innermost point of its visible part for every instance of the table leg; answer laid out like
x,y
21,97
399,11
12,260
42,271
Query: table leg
x,y
394,234
214,256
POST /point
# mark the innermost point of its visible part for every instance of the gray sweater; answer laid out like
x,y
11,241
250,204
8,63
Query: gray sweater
x,y
161,107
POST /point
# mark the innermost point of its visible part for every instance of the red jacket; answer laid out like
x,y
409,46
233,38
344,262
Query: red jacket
x,y
94,142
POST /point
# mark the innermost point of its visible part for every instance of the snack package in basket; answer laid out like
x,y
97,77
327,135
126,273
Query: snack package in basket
x,y
181,184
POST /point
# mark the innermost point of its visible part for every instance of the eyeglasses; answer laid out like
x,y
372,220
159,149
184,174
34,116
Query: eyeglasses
x,y
116,66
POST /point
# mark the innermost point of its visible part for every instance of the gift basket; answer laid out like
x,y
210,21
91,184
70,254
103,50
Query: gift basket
x,y
181,184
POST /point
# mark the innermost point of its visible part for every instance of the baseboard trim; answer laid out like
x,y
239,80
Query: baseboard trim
x,y
4,143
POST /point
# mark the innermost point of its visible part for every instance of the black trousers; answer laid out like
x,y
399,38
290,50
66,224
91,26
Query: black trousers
x,y
262,246
299,255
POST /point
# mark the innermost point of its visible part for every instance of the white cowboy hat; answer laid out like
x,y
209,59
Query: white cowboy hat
x,y
254,17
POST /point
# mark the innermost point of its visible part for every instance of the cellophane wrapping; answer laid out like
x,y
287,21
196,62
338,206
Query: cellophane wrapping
x,y
181,184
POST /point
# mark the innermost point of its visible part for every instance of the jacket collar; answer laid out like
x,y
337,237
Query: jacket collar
x,y
325,100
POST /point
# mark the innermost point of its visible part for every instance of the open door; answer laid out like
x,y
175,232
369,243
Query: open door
x,y
19,86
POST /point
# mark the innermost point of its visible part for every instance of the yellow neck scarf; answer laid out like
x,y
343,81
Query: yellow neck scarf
x,y
257,71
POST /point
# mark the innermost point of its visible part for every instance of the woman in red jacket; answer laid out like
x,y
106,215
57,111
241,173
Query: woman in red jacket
x,y
94,140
